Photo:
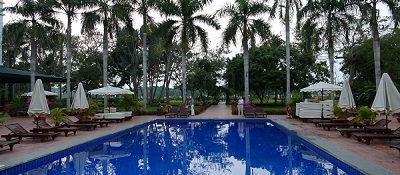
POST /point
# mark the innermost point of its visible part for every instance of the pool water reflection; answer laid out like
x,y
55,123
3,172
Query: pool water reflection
x,y
229,148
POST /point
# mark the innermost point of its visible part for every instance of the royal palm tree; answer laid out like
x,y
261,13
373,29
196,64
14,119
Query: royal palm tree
x,y
109,14
333,17
370,12
241,19
70,8
184,21
143,8
37,18
288,7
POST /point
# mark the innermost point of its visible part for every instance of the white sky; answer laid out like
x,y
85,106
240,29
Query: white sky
x,y
214,35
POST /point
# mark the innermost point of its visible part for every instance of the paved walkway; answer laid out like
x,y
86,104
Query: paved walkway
x,y
378,152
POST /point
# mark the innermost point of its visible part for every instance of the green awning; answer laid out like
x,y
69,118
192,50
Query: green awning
x,y
9,75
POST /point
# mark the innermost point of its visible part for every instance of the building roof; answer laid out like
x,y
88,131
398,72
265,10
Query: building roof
x,y
10,75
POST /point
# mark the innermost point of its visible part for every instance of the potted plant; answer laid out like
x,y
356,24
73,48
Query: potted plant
x,y
87,113
339,113
365,116
57,116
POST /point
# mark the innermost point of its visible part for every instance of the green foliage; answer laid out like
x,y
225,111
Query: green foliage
x,y
3,117
128,103
57,116
339,112
365,116
296,98
18,104
91,110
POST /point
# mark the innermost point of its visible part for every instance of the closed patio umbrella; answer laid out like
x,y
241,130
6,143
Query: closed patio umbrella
x,y
80,101
387,97
38,106
346,100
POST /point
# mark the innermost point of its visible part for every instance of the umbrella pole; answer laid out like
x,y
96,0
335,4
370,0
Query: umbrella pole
x,y
386,120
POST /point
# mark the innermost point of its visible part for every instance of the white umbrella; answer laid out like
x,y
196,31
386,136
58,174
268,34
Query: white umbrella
x,y
387,97
47,93
80,100
109,90
321,86
38,106
346,100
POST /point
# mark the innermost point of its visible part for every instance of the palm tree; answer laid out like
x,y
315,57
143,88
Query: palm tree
x,y
37,18
333,18
241,15
144,7
370,12
109,14
70,8
287,6
184,18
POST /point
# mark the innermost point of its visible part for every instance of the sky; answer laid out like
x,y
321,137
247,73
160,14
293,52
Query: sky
x,y
214,35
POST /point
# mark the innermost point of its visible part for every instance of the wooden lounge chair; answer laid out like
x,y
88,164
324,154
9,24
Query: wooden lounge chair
x,y
69,123
173,112
351,123
83,120
18,131
395,146
343,119
260,112
44,127
376,127
10,143
368,137
184,112
249,112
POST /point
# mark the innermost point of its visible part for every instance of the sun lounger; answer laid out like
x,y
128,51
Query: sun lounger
x,y
351,123
10,143
83,120
377,127
69,123
173,112
117,117
184,112
130,116
343,119
44,127
18,131
368,137
260,112
395,146
249,112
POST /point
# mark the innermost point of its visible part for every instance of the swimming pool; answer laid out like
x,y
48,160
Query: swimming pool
x,y
192,147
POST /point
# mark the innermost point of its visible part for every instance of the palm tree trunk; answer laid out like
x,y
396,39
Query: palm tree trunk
x,y
33,62
376,47
183,75
330,55
105,57
144,71
69,62
287,27
246,65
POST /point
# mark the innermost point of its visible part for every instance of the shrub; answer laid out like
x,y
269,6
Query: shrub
x,y
365,116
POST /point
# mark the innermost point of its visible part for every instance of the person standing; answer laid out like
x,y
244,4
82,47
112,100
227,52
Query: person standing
x,y
240,106
192,106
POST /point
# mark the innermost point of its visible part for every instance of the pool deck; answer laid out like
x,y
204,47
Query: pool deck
x,y
347,149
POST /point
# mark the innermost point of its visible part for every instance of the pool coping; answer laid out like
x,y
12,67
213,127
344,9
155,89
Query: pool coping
x,y
354,161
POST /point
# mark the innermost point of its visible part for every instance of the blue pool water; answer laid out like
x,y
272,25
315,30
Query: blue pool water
x,y
192,147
